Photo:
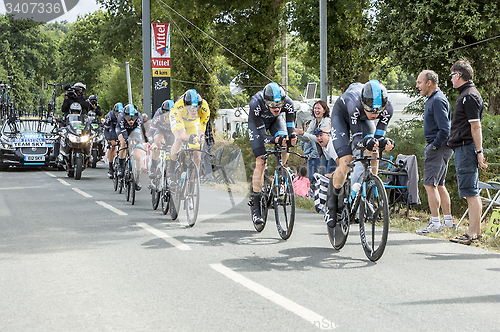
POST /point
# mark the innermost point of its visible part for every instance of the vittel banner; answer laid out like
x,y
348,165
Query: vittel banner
x,y
160,63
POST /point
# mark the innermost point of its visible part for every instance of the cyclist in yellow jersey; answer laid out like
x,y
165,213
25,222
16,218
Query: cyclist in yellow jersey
x,y
188,120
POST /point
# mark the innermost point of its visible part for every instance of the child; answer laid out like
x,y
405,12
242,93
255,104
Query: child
x,y
301,182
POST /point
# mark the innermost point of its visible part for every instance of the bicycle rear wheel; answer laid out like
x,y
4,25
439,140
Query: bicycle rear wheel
x,y
284,203
155,198
338,234
192,199
374,218
132,190
264,206
176,193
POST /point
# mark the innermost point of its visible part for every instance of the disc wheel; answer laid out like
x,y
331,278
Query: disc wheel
x,y
155,198
374,219
132,190
264,203
192,194
284,203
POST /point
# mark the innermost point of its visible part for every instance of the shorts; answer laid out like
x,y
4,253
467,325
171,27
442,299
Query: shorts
x,y
436,165
466,166
110,134
276,127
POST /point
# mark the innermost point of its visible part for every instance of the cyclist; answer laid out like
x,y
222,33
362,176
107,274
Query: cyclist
x,y
270,109
127,122
111,136
188,120
160,133
352,115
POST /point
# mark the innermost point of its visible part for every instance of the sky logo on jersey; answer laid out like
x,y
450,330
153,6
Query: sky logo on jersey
x,y
38,10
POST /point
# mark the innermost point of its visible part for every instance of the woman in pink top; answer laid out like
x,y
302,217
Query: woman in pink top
x,y
301,182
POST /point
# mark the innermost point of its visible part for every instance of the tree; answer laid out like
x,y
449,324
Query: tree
x,y
424,34
348,22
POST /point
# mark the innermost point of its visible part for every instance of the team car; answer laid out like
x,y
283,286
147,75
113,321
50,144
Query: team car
x,y
28,141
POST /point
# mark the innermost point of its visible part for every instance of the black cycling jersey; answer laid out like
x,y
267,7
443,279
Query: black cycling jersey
x,y
349,120
80,100
160,127
110,126
261,118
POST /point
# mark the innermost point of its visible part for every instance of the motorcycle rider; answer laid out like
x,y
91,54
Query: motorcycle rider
x,y
74,108
127,122
94,107
160,133
110,122
75,94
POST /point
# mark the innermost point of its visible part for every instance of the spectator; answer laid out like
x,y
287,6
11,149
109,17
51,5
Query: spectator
x,y
321,113
310,151
301,182
437,120
466,142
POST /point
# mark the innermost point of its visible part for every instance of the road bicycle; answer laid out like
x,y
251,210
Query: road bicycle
x,y
278,194
369,206
159,184
131,174
185,185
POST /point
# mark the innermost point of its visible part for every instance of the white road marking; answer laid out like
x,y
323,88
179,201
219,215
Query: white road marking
x,y
84,194
15,188
63,182
111,208
312,317
179,245
50,174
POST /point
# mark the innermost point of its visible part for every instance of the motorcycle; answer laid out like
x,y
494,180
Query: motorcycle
x,y
76,144
98,143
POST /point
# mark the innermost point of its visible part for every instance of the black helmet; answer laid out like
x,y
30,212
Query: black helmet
x,y
167,105
130,112
274,95
93,98
118,108
374,96
75,108
192,100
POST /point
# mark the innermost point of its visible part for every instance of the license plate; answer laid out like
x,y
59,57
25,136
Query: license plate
x,y
34,158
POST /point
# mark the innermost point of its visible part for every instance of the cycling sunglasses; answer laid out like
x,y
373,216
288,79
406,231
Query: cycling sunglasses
x,y
274,104
130,117
191,108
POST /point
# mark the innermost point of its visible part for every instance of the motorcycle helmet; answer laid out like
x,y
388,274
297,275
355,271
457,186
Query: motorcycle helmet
x,y
167,105
118,108
192,100
374,96
274,95
130,112
75,108
93,99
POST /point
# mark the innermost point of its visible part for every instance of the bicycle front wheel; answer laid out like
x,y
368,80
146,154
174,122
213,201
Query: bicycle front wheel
x,y
374,218
176,194
192,200
284,203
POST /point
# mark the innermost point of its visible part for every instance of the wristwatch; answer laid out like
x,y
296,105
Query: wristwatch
x,y
433,147
479,151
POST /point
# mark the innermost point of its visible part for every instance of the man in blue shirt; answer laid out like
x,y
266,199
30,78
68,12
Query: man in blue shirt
x,y
437,121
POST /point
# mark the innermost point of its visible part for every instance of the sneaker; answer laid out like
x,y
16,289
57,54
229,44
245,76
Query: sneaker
x,y
464,239
449,226
110,174
429,229
138,186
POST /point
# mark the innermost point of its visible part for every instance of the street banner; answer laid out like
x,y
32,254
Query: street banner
x,y
160,63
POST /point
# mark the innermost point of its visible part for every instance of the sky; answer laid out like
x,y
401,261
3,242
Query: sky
x,y
83,7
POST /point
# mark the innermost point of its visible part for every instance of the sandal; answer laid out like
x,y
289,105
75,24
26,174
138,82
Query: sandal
x,y
464,239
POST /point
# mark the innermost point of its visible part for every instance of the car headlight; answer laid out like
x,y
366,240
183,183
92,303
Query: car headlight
x,y
6,144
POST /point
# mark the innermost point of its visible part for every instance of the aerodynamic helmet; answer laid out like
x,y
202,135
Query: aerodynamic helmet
x,y
130,112
118,108
374,96
192,100
274,95
167,105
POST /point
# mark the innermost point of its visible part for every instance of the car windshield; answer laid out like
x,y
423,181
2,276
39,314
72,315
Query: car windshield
x,y
28,126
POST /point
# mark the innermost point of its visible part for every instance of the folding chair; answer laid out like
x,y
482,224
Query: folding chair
x,y
396,179
492,202
224,173
216,164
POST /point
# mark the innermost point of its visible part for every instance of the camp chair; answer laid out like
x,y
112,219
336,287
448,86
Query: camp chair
x,y
223,173
396,178
492,202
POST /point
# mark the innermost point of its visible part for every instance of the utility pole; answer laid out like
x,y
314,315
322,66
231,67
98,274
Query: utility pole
x,y
284,63
146,57
323,70
129,85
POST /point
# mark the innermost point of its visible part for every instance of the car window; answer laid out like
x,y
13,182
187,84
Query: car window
x,y
29,126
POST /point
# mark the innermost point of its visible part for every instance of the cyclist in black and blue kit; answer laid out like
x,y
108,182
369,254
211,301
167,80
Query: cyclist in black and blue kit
x,y
271,110
128,121
110,122
352,116
160,133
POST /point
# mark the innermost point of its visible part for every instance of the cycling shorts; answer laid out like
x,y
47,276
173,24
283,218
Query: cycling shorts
x,y
258,135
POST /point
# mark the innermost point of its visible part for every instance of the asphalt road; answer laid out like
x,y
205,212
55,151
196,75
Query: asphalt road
x,y
75,256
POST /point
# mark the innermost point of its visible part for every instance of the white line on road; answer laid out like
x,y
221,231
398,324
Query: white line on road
x,y
179,245
11,188
63,182
111,208
50,174
84,194
312,317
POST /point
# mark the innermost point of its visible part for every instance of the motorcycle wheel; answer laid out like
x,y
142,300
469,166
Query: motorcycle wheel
x,y
95,156
78,167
